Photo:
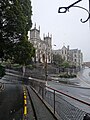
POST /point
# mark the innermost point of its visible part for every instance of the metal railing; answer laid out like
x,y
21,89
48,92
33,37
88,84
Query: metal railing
x,y
60,102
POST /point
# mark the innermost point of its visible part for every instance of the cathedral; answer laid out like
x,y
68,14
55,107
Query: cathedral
x,y
43,52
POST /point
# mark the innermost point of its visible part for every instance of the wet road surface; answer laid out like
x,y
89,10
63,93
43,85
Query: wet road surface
x,y
11,101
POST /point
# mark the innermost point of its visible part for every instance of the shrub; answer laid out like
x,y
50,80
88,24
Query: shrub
x,y
67,76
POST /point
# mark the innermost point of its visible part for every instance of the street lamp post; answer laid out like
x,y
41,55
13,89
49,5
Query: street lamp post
x,y
46,64
46,67
65,9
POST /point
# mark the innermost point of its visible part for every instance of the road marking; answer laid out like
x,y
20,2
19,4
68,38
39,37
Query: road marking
x,y
25,97
24,93
25,110
25,102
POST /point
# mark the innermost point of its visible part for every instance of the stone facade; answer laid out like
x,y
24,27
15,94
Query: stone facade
x,y
43,47
73,56
44,50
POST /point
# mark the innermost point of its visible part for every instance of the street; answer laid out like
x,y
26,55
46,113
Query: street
x,y
11,101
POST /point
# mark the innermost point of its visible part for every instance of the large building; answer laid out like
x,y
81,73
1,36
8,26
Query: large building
x,y
43,47
44,50
73,56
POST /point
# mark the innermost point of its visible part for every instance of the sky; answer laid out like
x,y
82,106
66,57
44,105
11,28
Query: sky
x,y
66,28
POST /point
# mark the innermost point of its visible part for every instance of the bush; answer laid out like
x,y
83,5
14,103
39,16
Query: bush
x,y
2,71
67,76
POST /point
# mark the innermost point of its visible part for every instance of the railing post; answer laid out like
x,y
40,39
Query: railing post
x,y
42,92
54,101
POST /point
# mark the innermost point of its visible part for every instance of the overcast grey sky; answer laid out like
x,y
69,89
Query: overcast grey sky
x,y
66,28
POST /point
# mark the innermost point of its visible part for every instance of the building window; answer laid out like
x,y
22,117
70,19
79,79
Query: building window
x,y
65,51
75,55
75,60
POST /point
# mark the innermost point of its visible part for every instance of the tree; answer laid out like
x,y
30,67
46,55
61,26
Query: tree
x,y
27,11
15,22
66,64
11,27
23,52
57,59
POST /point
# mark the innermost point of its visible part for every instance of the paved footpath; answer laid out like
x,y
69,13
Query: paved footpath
x,y
41,110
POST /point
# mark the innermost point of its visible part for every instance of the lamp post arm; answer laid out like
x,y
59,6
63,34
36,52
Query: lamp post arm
x,y
65,9
86,11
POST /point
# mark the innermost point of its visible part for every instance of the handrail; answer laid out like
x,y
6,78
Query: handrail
x,y
79,100
59,91
53,97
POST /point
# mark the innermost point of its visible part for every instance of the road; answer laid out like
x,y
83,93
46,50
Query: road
x,y
11,100
84,77
80,90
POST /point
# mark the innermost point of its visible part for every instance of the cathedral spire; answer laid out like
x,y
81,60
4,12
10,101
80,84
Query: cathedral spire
x,y
48,34
43,35
39,27
35,26
51,36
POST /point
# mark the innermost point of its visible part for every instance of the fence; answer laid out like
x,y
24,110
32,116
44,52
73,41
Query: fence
x,y
59,101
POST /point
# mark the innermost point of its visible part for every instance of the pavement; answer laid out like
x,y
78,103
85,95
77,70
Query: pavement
x,y
41,111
